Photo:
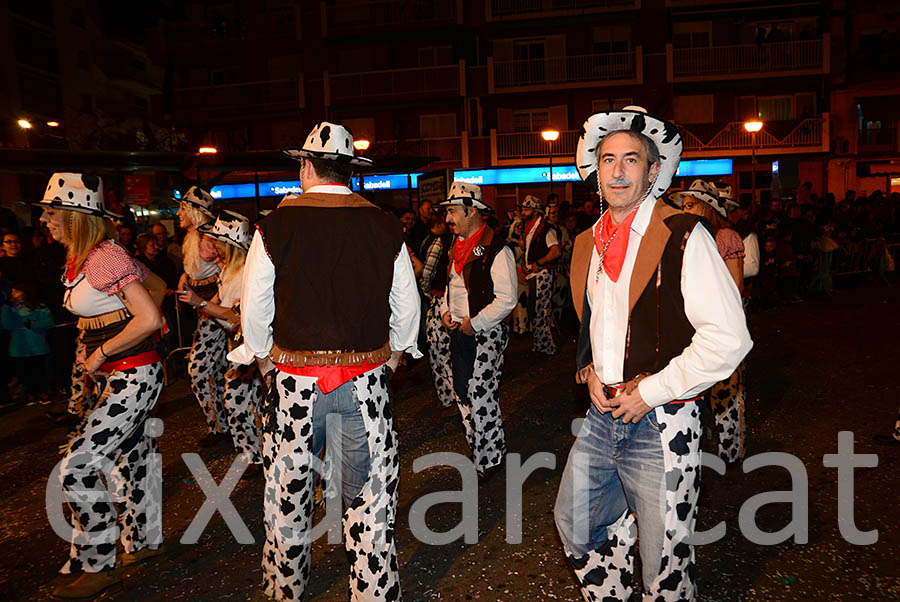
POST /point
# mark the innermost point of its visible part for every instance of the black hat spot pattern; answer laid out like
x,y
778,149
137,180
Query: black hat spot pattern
x,y
61,182
91,182
325,135
71,195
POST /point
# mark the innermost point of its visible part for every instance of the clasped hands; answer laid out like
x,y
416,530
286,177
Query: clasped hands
x,y
629,405
465,326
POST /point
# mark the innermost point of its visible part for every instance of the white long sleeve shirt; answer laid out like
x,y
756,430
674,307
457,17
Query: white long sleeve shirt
x,y
503,273
712,304
258,300
751,255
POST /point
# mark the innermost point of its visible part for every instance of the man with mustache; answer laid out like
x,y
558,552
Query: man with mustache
x,y
481,294
661,321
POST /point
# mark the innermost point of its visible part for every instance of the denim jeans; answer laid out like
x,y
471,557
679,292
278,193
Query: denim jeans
x,y
614,467
347,434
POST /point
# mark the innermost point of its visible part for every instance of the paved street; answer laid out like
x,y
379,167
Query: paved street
x,y
818,367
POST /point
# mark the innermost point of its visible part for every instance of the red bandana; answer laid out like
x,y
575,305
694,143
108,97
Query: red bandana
x,y
617,247
463,247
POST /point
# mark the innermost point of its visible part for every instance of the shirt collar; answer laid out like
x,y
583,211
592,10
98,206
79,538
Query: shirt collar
x,y
330,189
641,220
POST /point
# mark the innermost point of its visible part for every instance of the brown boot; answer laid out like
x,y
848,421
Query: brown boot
x,y
141,555
88,586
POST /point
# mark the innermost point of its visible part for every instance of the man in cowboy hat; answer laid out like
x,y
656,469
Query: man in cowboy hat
x,y
328,296
641,277
481,293
541,252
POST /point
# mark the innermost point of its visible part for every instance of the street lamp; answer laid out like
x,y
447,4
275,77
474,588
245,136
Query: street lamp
x,y
52,124
550,136
753,127
24,124
207,150
361,145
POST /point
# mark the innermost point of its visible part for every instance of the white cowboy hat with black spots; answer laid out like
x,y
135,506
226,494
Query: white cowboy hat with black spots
x,y
76,192
328,141
230,227
466,195
199,199
634,119
702,191
726,194
532,202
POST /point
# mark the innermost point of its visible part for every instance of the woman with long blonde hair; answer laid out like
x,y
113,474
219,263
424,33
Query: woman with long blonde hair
x,y
206,360
118,319
230,234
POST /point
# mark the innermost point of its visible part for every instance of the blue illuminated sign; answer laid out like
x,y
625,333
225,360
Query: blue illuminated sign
x,y
398,181
705,167
516,175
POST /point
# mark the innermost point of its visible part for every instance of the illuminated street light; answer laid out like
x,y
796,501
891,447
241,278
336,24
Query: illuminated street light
x,y
53,124
753,126
24,124
361,145
208,150
550,135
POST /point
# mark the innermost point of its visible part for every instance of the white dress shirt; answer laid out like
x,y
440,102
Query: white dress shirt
x,y
751,255
712,304
503,273
550,239
258,300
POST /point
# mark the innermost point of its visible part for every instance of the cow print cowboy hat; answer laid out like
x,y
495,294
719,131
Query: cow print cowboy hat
x,y
633,119
466,195
702,191
230,227
328,141
76,192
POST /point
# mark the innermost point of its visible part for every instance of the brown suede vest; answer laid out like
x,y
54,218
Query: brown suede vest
x,y
658,329
538,247
477,270
334,266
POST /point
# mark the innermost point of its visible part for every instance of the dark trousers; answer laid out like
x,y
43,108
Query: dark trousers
x,y
462,361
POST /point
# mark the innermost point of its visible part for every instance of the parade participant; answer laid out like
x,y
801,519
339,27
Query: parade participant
x,y
481,293
328,295
726,398
661,321
541,253
433,286
243,387
206,360
560,297
117,317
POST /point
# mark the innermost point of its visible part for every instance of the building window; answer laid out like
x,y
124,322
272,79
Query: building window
x,y
432,56
611,40
610,104
692,35
775,108
437,126
532,120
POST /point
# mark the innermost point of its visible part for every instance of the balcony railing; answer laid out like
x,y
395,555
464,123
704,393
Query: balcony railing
x,y
748,60
530,145
255,26
348,17
447,150
273,95
417,82
514,9
807,135
621,66
879,140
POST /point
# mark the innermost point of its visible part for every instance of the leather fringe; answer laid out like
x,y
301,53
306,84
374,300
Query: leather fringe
x,y
299,359
104,320
205,282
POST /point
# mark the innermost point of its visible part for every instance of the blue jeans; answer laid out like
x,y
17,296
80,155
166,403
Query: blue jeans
x,y
614,467
349,434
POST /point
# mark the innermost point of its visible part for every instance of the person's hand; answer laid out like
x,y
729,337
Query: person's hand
x,y
598,397
183,282
448,322
631,407
93,363
187,295
81,355
466,327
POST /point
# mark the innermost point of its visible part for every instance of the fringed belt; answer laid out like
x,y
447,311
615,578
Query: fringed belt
x,y
104,320
298,359
205,282
207,288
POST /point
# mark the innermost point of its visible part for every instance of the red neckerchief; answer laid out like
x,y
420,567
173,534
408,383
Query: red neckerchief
x,y
614,257
462,248
530,226
70,270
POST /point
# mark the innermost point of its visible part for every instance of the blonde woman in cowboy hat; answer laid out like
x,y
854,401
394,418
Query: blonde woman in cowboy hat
x,y
230,234
206,360
542,250
728,396
117,321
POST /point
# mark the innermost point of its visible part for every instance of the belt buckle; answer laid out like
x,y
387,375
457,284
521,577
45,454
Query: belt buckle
x,y
614,390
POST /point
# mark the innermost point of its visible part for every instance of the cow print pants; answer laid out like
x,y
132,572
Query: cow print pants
x,y
439,354
727,401
114,440
368,520
540,303
243,391
206,369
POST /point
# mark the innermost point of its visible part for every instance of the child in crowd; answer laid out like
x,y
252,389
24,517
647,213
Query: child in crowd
x,y
27,321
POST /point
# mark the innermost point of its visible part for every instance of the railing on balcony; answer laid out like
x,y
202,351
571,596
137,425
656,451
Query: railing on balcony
x,y
566,69
515,8
530,145
447,150
879,140
282,94
254,26
393,83
805,135
741,60
344,17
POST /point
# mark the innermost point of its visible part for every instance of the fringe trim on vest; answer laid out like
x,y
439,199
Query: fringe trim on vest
x,y
104,320
299,359
205,282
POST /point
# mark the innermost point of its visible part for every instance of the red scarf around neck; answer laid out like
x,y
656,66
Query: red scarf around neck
x,y
615,251
463,247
